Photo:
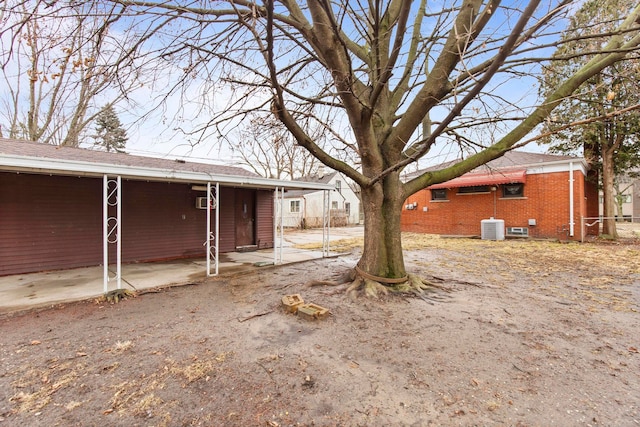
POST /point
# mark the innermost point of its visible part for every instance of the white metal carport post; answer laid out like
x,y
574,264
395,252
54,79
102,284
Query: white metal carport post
x,y
278,219
326,222
212,202
111,230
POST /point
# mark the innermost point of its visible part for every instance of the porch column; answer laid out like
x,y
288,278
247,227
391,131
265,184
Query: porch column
x,y
212,241
278,224
281,222
111,228
326,222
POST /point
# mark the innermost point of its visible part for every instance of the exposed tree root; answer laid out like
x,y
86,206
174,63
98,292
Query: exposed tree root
x,y
359,285
116,295
323,283
414,285
372,288
340,279
354,288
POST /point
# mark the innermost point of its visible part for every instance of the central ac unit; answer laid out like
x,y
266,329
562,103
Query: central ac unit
x,y
201,203
492,229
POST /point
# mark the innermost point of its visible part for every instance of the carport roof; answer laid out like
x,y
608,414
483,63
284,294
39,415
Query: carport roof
x,y
33,157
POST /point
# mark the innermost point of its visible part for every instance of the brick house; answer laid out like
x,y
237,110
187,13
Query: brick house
x,y
535,195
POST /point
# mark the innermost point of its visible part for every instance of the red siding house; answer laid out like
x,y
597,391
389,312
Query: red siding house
x,y
64,207
522,194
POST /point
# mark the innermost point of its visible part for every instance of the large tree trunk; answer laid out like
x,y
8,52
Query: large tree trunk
x,y
608,204
382,204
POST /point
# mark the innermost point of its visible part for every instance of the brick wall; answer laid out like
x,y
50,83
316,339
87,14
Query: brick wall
x,y
545,200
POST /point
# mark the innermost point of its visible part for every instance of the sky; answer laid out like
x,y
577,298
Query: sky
x,y
155,136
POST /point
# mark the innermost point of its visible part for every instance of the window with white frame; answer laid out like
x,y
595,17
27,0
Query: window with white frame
x,y
294,206
334,205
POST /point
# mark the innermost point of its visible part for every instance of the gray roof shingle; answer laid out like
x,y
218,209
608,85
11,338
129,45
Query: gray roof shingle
x,y
510,160
53,152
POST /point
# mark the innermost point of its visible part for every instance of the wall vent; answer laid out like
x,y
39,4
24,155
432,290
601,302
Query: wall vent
x,y
492,229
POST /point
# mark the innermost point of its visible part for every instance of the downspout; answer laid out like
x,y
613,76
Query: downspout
x,y
344,199
304,212
571,213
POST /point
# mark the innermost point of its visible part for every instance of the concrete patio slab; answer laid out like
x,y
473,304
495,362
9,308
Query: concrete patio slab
x,y
26,291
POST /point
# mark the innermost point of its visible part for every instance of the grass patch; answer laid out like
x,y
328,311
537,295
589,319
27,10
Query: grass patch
x,y
40,385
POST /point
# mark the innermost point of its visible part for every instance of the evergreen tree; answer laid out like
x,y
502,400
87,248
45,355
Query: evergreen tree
x,y
110,134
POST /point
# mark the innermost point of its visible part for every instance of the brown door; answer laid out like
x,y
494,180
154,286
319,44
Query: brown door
x,y
245,217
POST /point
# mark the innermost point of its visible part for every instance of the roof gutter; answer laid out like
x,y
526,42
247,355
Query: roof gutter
x,y
38,165
570,162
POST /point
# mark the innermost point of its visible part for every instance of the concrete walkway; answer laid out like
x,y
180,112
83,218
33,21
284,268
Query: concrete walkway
x,y
25,291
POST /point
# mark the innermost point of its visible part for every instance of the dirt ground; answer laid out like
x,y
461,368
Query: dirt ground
x,y
524,333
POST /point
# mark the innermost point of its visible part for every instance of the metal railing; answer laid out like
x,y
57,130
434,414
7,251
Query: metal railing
x,y
628,226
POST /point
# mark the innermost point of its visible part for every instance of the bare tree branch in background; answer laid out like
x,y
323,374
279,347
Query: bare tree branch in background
x,y
59,72
269,150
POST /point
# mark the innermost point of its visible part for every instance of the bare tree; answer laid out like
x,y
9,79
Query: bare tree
x,y
59,66
267,147
371,73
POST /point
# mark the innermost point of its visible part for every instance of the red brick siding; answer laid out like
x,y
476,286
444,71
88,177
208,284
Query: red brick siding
x,y
591,194
546,199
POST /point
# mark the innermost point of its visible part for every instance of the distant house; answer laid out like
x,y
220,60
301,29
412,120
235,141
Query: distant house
x,y
629,199
304,208
520,194
64,207
635,201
